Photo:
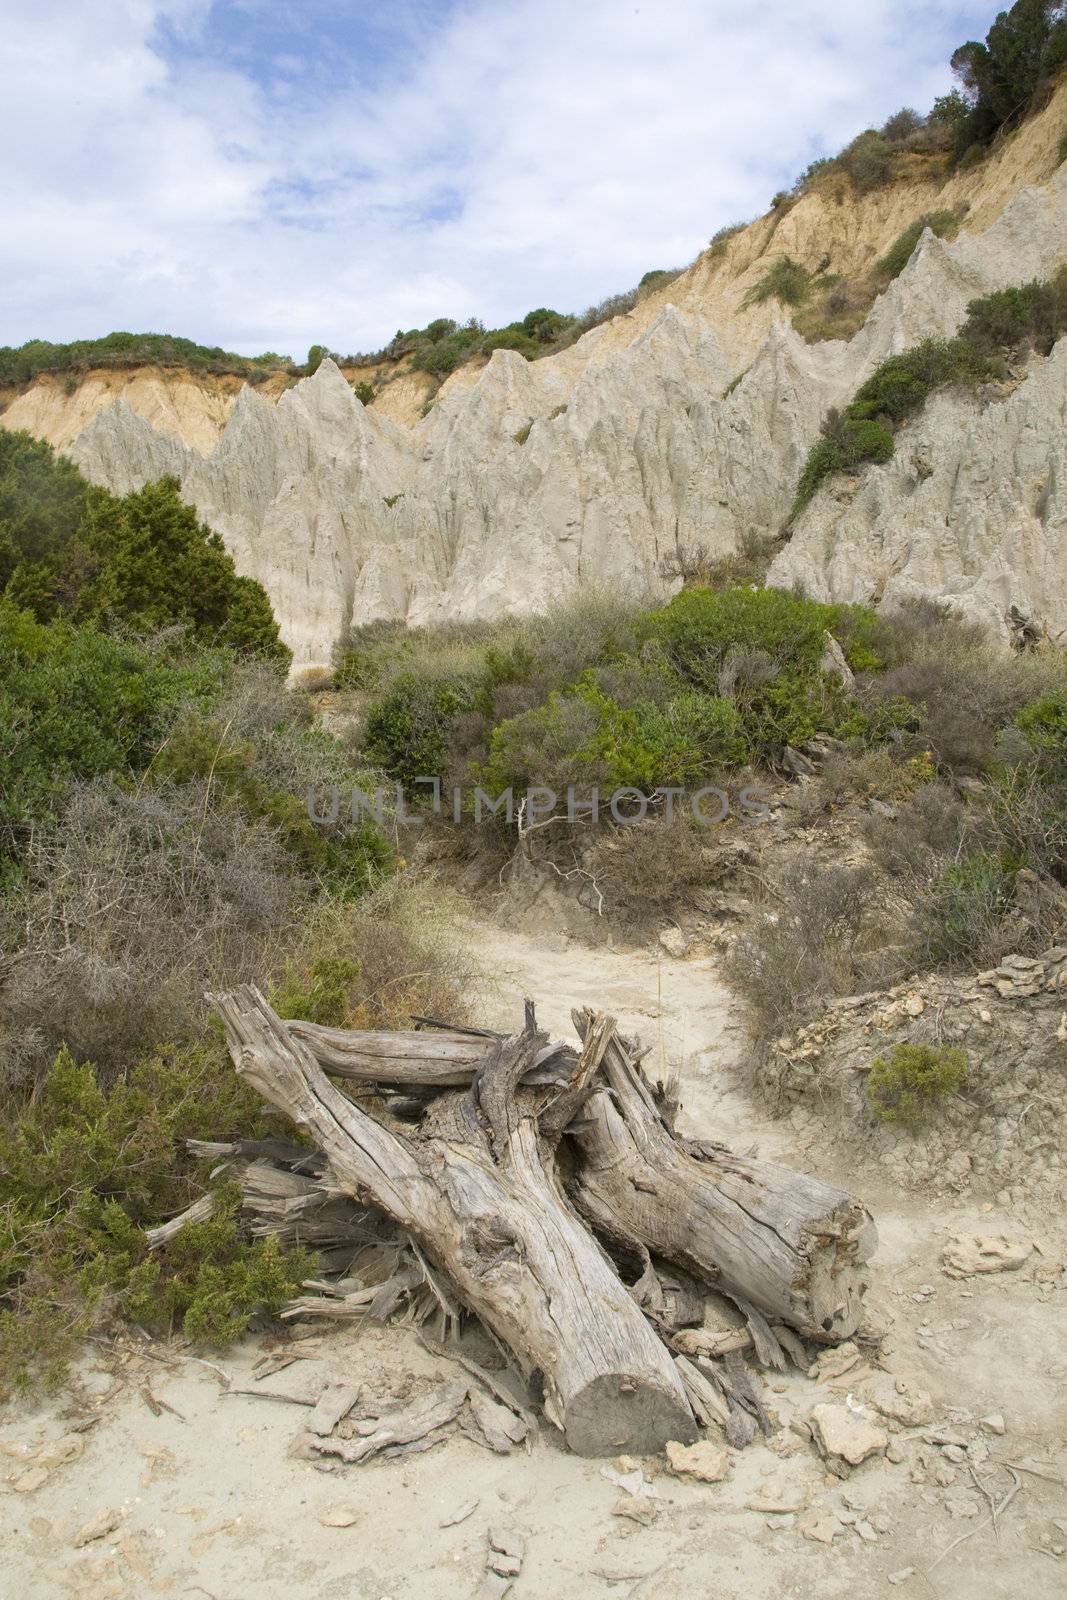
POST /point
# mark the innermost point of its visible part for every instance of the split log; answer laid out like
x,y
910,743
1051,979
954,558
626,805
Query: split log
x,y
441,1059
481,1196
788,1244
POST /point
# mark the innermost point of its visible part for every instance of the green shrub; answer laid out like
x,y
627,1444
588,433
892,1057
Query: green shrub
x,y
583,737
84,1170
901,125
717,245
845,444
364,392
945,224
132,350
699,627
345,859
867,160
523,433
895,391
407,730
76,704
911,1081
964,914
786,280
1033,314
1044,723
141,561
1062,150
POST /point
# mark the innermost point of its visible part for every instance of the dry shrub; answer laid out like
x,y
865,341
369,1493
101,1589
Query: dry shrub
x,y
827,931
649,872
135,903
883,772
969,687
399,953
927,832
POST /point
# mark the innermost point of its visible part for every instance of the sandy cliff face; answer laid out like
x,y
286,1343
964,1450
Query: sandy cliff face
x,y
606,462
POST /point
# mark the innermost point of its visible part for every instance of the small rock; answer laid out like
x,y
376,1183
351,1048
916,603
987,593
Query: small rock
x,y
674,942
846,1435
954,1453
506,1542
97,1527
823,1529
505,1566
31,1479
703,1461
994,1423
638,1508
467,1509
901,1575
964,1257
866,1532
338,1517
896,1399
961,1503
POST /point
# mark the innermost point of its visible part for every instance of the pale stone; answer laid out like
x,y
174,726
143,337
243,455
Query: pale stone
x,y
847,1435
703,1460
965,1257
97,1527
896,1399
341,1517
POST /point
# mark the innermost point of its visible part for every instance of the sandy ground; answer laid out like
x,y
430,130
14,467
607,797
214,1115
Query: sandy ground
x,y
207,1500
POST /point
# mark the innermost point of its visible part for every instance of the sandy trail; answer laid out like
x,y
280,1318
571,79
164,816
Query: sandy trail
x,y
210,1503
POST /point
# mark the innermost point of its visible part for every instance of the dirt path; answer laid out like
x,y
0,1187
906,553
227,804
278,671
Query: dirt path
x,y
209,1502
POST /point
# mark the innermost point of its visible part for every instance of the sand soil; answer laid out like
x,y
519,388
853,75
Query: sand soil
x,y
192,1489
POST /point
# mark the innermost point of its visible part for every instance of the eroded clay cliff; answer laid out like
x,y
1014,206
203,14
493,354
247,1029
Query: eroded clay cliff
x,y
679,428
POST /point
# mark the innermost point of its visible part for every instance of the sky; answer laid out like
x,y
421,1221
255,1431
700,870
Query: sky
x,y
266,176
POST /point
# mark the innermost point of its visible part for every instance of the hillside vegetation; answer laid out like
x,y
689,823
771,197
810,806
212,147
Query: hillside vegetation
x,y
155,842
999,328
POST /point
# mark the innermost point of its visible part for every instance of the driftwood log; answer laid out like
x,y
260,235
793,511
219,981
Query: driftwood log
x,y
788,1244
478,1191
520,1165
791,1245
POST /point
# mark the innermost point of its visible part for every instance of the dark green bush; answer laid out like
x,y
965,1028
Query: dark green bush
x,y
76,704
84,1170
867,160
583,737
1009,319
911,1081
845,444
141,561
407,731
700,626
897,390
132,350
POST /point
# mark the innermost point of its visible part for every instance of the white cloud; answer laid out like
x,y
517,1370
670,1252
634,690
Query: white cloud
x,y
538,152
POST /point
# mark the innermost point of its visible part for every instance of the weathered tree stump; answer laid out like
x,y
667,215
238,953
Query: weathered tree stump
x,y
477,1189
